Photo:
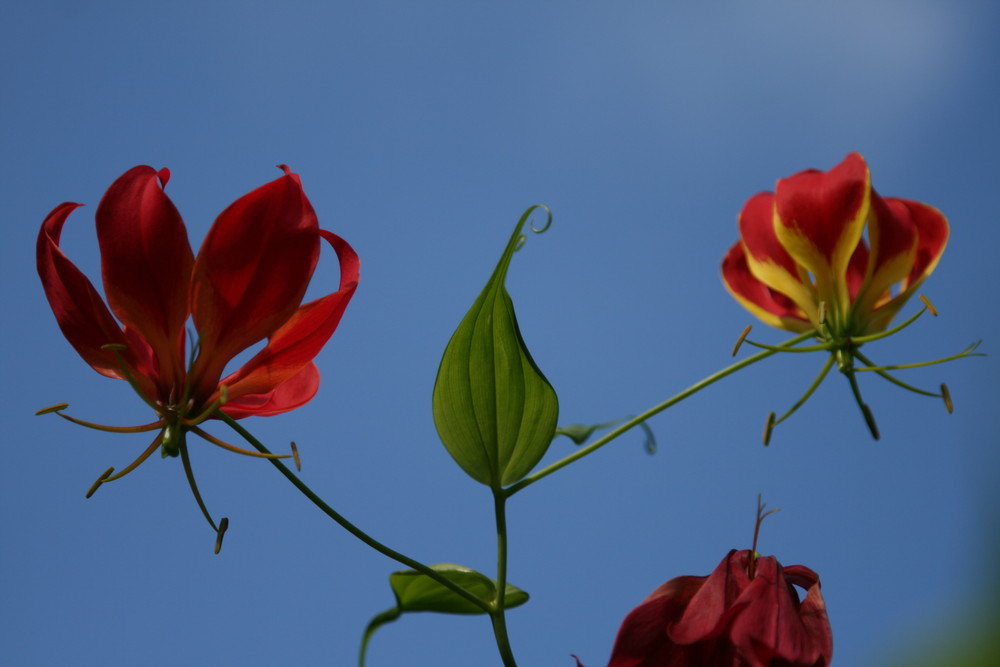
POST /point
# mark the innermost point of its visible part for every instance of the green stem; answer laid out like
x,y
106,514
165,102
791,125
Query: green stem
x,y
350,527
638,419
498,613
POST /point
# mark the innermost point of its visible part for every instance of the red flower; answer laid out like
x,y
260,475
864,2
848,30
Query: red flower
x,y
802,261
745,614
246,284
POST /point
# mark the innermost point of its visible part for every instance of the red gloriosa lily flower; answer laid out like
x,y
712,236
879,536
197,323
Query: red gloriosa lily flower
x,y
803,262
745,614
827,257
245,285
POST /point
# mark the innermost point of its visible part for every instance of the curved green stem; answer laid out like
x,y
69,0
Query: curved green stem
x,y
350,527
498,613
656,409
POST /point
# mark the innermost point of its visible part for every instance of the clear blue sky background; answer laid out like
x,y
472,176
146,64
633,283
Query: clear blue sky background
x,y
422,130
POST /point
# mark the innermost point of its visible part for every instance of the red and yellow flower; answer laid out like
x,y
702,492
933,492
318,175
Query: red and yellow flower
x,y
246,284
826,252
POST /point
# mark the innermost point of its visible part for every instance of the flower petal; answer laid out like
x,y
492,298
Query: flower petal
x,y
299,340
642,638
931,229
251,273
146,264
290,394
82,316
894,241
819,218
771,307
769,628
715,603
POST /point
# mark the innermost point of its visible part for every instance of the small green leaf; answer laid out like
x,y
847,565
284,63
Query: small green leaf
x,y
416,591
494,410
579,433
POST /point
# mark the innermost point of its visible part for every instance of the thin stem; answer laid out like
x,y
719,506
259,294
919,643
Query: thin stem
x,y
498,614
809,392
347,525
896,381
638,419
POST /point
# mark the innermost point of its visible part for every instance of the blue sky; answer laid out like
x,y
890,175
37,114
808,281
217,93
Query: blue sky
x,y
421,132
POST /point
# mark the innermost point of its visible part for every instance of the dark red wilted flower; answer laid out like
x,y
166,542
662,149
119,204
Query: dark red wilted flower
x,y
745,614
245,285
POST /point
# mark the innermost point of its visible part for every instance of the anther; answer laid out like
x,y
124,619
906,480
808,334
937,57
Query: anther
x,y
743,337
768,428
100,480
946,396
223,526
870,420
298,462
115,347
822,312
53,408
930,306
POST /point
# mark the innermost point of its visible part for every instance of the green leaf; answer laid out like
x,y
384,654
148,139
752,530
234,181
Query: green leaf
x,y
416,591
494,410
579,433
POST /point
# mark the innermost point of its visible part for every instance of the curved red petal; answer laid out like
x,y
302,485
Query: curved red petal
x,y
769,626
772,307
292,393
642,638
251,273
756,223
82,316
146,263
301,338
715,603
932,237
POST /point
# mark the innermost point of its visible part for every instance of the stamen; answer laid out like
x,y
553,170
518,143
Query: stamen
x,y
946,395
114,429
116,348
100,480
809,392
210,410
739,341
768,428
930,306
53,408
298,462
135,464
194,489
223,527
822,312
233,448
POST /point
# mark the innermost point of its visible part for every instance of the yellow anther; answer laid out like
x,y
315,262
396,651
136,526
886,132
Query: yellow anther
x,y
100,480
822,312
295,455
946,395
743,337
768,428
930,306
53,408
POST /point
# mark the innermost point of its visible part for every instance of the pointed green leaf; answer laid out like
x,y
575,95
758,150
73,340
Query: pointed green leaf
x,y
494,410
415,591
418,592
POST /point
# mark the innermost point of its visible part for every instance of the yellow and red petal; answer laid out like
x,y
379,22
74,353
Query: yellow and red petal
x,y
251,273
768,305
819,218
82,315
893,240
294,345
146,263
931,229
767,259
